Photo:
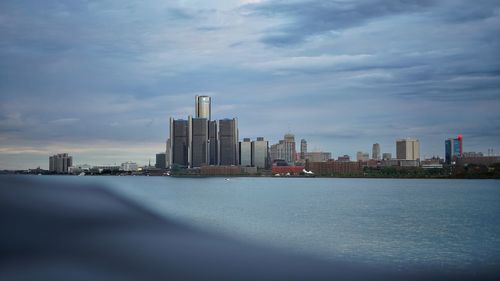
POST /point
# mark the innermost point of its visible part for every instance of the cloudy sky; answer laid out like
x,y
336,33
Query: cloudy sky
x,y
99,79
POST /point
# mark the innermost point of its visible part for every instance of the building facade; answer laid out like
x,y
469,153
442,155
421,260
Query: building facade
x,y
376,151
213,147
199,144
260,154
387,156
317,156
362,156
245,152
203,107
408,149
453,149
180,138
303,149
161,160
228,142
59,163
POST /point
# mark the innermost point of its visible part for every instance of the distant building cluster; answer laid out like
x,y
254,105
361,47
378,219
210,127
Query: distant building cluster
x,y
199,141
204,146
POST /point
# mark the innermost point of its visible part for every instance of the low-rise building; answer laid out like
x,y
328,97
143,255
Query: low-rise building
x,y
331,168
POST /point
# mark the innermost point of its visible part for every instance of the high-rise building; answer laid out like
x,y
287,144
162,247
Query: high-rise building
x,y
407,149
203,107
260,157
303,148
213,149
453,149
161,160
387,156
284,150
167,153
228,142
246,152
199,144
376,151
60,163
180,138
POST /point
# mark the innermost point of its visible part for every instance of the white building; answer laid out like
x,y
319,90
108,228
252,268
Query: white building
x,y
246,153
260,153
129,167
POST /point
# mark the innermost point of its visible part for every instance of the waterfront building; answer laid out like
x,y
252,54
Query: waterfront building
x,y
453,149
59,163
161,160
199,142
331,168
376,151
246,152
203,107
228,142
220,170
362,156
213,149
386,156
260,154
180,137
407,149
128,166
303,149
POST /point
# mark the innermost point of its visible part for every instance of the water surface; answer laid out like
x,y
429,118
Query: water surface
x,y
446,224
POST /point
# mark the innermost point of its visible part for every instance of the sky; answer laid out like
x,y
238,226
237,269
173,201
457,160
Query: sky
x,y
100,79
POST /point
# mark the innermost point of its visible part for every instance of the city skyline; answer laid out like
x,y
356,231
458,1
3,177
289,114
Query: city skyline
x,y
372,72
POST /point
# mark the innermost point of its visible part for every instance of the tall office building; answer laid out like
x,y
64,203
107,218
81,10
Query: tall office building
x,y
284,150
376,151
167,153
213,149
203,107
289,146
246,152
199,144
303,148
260,158
407,149
453,149
228,142
161,160
60,163
180,141
387,156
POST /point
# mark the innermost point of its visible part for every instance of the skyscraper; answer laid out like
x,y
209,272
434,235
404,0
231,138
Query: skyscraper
x,y
246,153
199,145
203,107
213,151
60,163
228,142
289,146
376,151
453,149
180,139
303,148
407,149
260,153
